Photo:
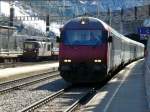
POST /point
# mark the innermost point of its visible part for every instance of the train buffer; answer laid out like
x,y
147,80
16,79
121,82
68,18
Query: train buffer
x,y
126,92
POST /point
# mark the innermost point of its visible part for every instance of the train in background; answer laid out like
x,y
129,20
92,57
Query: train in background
x,y
39,48
20,47
90,50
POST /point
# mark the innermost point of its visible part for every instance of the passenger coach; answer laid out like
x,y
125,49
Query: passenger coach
x,y
90,50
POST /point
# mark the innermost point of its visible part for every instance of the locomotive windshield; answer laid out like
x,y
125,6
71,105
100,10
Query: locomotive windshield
x,y
30,45
83,37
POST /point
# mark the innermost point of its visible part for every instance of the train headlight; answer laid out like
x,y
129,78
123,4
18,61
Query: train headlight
x,y
97,61
67,60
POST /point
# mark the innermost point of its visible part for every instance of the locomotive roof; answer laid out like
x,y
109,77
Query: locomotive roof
x,y
90,23
110,29
94,23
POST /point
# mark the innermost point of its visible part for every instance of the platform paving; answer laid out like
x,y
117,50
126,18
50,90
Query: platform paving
x,y
19,72
147,72
124,93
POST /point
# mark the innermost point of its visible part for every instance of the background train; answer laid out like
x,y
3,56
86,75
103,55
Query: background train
x,y
90,50
36,49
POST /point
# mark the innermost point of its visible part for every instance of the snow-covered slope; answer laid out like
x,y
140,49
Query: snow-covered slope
x,y
21,10
74,7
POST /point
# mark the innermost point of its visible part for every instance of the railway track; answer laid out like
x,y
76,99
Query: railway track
x,y
13,85
82,100
67,100
44,101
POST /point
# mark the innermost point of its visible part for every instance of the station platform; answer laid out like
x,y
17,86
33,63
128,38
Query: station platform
x,y
20,72
10,54
126,92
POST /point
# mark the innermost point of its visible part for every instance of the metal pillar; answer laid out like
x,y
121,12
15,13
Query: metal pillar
x,y
149,10
0,7
121,22
135,13
11,16
109,15
98,10
47,23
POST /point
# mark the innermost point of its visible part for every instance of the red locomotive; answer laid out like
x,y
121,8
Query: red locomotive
x,y
90,49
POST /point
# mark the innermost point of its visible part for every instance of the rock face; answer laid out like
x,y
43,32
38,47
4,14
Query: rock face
x,y
79,7
60,11
131,19
125,21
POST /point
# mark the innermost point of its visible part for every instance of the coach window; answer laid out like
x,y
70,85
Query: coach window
x,y
49,47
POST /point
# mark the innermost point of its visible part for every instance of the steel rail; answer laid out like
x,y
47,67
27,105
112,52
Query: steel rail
x,y
83,99
27,84
45,100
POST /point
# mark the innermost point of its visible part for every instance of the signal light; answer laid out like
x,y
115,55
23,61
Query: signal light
x,y
83,22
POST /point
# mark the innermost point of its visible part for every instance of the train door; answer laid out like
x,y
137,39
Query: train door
x,y
135,55
131,51
121,51
49,49
113,52
116,51
109,54
40,48
44,49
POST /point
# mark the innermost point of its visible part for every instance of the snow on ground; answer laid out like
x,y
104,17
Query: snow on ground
x,y
20,11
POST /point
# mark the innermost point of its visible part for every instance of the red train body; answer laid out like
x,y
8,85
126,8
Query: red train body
x,y
83,53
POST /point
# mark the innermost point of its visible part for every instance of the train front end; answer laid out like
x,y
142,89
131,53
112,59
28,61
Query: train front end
x,y
30,50
83,51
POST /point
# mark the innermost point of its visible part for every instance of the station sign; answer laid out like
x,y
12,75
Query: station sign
x,y
144,32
